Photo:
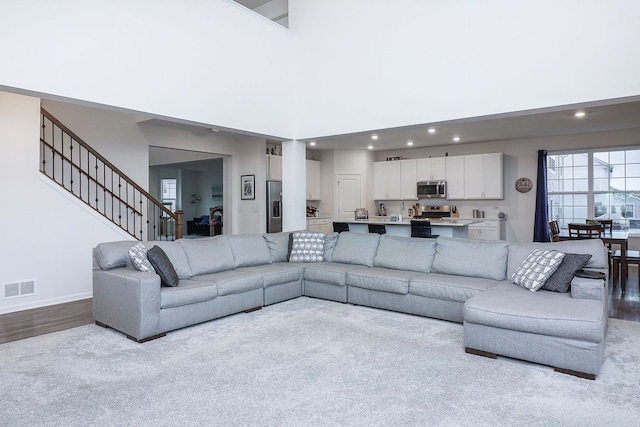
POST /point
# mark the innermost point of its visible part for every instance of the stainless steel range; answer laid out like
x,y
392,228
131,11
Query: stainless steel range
x,y
435,211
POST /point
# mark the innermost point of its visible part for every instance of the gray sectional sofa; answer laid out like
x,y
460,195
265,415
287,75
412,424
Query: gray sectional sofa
x,y
464,281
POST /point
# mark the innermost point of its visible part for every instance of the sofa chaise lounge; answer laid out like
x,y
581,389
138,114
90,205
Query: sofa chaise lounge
x,y
459,280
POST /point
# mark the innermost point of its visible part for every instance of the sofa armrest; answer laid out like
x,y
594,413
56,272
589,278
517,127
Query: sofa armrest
x,y
583,288
127,300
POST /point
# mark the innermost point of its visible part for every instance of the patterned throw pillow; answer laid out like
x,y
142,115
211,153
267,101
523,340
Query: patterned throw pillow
x,y
307,246
537,268
138,254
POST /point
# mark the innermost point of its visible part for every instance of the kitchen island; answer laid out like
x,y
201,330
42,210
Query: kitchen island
x,y
442,227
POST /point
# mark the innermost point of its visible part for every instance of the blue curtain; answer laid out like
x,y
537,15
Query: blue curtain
x,y
541,223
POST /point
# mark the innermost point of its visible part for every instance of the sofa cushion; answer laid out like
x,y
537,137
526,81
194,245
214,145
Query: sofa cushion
x,y
537,268
208,255
187,292
138,254
330,241
473,258
356,248
111,255
381,279
278,244
405,253
560,280
249,249
162,266
556,314
176,255
231,282
307,246
448,287
277,273
599,257
333,273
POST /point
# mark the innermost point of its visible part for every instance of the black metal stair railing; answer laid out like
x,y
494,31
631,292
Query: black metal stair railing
x,y
83,172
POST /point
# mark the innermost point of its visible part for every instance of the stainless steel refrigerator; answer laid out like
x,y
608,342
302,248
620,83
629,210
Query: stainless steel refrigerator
x,y
274,206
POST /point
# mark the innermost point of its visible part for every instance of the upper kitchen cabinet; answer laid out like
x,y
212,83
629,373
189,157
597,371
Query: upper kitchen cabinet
x,y
455,177
408,179
431,169
394,180
483,176
313,180
274,167
386,181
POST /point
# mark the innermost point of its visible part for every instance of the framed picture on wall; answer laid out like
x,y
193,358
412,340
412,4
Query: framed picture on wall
x,y
248,187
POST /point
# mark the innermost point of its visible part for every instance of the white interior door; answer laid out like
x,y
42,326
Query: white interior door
x,y
349,195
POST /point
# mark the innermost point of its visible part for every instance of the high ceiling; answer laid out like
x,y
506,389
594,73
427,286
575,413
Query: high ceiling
x,y
512,126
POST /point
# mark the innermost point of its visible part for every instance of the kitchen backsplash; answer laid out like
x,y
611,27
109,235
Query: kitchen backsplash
x,y
464,210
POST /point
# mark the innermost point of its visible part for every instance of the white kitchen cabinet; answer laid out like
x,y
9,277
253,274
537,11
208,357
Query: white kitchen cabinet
x,y
386,181
313,180
487,230
431,169
483,176
320,225
455,177
408,180
274,167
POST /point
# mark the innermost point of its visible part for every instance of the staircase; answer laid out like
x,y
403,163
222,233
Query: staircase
x,y
69,161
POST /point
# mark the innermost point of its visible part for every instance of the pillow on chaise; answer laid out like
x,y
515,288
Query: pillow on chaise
x,y
537,268
160,262
138,254
560,280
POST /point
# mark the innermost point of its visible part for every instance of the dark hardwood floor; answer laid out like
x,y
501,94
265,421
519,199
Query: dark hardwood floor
x,y
39,321
30,323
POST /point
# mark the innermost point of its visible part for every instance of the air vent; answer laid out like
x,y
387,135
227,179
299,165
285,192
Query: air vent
x,y
18,289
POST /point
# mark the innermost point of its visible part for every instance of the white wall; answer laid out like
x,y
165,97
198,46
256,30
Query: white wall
x,y
378,64
213,62
47,235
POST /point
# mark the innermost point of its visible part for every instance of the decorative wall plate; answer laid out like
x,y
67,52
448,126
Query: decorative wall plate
x,y
524,185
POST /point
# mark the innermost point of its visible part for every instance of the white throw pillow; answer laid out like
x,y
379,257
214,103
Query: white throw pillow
x,y
307,246
138,254
537,268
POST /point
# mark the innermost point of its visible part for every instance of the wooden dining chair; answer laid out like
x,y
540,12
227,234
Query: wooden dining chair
x,y
554,231
632,257
585,231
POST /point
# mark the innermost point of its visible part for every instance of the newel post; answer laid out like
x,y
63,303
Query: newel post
x,y
179,224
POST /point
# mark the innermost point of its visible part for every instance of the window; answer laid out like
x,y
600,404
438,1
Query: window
x,y
596,184
169,194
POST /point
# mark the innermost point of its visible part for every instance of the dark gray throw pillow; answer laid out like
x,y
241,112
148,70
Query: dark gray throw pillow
x,y
160,262
560,280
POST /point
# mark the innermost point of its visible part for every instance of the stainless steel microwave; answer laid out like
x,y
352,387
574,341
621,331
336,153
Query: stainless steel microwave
x,y
432,189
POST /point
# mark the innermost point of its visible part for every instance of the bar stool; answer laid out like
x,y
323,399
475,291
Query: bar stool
x,y
422,228
339,227
377,228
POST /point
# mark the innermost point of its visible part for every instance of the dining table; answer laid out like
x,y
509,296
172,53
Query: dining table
x,y
615,237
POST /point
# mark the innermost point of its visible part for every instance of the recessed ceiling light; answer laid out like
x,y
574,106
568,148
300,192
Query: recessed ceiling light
x,y
432,130
374,137
409,142
370,147
580,114
312,143
456,139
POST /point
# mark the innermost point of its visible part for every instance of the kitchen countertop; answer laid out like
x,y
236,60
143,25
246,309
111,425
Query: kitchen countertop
x,y
454,222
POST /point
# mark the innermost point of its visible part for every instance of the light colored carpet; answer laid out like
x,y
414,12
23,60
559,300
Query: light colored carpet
x,y
306,362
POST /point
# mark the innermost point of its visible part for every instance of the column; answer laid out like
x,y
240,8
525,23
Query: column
x,y
294,185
